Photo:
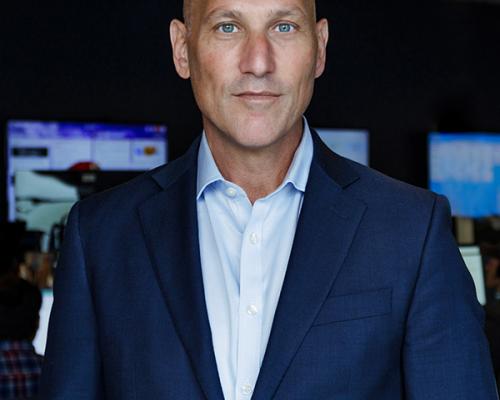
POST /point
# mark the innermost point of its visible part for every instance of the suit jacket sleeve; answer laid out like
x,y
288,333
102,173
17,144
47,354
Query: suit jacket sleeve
x,y
72,366
445,354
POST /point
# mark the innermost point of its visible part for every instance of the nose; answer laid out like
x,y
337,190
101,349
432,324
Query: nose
x,y
257,58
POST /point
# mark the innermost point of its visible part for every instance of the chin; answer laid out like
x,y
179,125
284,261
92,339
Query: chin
x,y
257,135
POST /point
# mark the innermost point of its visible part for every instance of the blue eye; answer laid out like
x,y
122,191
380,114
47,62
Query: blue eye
x,y
228,28
285,28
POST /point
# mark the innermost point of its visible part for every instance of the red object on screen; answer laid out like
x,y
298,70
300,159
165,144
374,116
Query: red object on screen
x,y
84,166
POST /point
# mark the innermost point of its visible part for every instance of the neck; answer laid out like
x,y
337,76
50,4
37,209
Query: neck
x,y
258,171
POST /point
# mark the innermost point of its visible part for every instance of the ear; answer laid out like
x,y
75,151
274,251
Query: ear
x,y
322,34
178,38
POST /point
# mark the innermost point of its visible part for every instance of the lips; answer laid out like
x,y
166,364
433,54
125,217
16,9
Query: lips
x,y
263,94
258,96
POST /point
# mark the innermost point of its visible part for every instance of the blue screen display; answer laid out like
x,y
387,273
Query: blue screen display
x,y
349,143
465,167
62,146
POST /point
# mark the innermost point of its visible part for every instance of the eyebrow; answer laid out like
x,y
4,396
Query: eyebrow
x,y
288,12
222,13
234,14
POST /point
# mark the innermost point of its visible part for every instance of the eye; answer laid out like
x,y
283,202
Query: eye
x,y
285,28
228,28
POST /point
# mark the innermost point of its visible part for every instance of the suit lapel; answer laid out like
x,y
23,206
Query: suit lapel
x,y
328,222
169,221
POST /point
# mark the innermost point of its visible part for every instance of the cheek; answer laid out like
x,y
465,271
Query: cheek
x,y
309,65
212,71
298,64
300,76
201,76
303,74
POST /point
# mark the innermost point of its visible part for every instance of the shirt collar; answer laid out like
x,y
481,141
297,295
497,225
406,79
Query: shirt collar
x,y
297,174
208,172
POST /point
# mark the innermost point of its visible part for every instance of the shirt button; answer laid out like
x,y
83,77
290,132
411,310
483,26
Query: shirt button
x,y
252,310
231,192
246,390
254,238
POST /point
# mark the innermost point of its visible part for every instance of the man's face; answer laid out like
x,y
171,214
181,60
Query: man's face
x,y
252,65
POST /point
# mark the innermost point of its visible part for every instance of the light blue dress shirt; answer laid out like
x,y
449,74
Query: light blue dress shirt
x,y
244,256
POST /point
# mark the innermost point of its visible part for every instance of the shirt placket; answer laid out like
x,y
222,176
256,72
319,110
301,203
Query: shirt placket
x,y
250,305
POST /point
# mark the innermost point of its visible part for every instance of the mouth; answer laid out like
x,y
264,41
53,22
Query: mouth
x,y
258,96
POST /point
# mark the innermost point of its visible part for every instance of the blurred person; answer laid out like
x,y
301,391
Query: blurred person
x,y
20,366
491,255
262,265
492,268
37,268
12,236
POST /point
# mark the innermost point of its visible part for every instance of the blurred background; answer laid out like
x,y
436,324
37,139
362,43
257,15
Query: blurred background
x,y
89,98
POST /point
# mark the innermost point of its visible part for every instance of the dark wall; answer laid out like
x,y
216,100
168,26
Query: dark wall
x,y
398,69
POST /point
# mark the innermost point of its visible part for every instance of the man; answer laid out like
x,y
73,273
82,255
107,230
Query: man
x,y
20,302
261,265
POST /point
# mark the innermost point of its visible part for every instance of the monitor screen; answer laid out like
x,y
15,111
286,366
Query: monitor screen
x,y
57,146
465,167
474,263
43,199
352,144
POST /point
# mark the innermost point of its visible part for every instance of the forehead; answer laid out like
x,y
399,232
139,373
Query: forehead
x,y
202,8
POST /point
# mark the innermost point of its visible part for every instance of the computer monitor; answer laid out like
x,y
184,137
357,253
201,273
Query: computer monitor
x,y
43,199
465,167
474,262
57,146
349,143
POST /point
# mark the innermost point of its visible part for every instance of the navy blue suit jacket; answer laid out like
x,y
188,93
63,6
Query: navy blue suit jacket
x,y
376,302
